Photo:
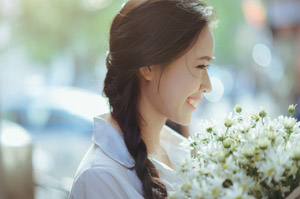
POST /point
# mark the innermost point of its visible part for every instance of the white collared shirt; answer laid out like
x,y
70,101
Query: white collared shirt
x,y
104,172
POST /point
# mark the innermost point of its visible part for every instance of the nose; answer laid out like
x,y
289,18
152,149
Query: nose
x,y
205,84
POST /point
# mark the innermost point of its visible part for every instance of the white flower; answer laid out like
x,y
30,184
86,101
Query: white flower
x,y
229,121
262,112
291,109
228,142
294,139
238,108
279,155
213,186
288,122
273,166
244,126
296,153
247,182
270,170
248,150
187,143
236,191
221,156
263,143
271,135
210,150
232,157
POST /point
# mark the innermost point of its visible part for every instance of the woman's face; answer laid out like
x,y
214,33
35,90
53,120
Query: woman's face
x,y
182,82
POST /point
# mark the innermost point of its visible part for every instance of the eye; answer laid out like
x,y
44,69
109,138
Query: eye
x,y
203,66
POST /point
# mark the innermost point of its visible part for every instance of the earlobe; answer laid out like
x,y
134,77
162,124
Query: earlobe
x,y
146,72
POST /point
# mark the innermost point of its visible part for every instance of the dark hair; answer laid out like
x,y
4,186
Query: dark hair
x,y
144,33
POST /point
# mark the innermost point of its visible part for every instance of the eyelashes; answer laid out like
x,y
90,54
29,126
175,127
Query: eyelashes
x,y
203,66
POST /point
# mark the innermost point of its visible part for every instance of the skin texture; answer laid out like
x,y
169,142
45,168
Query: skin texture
x,y
178,81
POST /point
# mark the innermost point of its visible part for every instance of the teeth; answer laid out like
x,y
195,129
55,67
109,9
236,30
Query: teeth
x,y
192,102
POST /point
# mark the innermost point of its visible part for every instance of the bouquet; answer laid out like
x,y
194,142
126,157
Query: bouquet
x,y
244,156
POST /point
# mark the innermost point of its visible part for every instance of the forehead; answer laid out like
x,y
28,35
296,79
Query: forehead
x,y
204,45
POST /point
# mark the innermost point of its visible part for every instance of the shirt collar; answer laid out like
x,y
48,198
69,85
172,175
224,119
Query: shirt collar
x,y
111,141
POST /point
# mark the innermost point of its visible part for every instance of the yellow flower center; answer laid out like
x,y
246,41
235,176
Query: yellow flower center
x,y
214,191
244,187
224,166
272,172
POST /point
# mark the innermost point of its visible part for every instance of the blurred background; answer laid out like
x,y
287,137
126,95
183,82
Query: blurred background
x,y
52,67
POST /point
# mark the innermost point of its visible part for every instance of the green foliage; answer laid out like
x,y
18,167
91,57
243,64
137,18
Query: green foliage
x,y
46,28
230,18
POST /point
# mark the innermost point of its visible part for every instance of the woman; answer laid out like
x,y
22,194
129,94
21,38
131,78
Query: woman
x,y
159,51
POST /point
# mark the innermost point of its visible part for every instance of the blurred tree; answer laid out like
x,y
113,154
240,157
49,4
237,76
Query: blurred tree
x,y
49,29
230,18
46,28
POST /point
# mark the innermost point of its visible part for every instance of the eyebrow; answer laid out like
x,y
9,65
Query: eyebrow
x,y
208,58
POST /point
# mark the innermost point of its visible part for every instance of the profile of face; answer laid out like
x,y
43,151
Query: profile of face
x,y
181,83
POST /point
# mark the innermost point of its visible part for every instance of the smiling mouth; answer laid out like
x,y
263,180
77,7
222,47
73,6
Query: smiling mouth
x,y
193,102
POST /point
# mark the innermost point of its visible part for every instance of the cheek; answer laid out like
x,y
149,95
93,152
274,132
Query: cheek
x,y
178,90
174,93
179,83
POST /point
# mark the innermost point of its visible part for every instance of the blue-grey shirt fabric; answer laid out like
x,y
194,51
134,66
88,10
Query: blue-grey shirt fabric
x,y
104,172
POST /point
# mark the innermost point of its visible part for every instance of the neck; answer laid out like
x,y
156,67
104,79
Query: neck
x,y
151,126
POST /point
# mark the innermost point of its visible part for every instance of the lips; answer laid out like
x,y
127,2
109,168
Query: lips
x,y
193,102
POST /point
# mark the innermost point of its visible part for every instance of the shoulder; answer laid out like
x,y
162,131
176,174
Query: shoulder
x,y
94,182
96,175
104,182
95,159
99,176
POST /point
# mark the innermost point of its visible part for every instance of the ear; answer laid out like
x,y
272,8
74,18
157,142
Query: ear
x,y
147,72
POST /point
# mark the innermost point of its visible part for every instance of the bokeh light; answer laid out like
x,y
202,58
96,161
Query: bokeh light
x,y
217,90
262,55
11,131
